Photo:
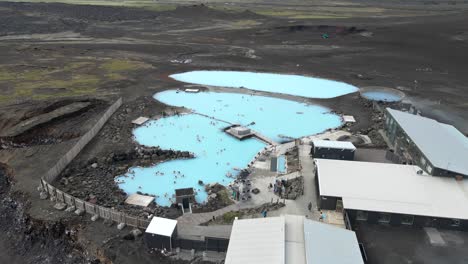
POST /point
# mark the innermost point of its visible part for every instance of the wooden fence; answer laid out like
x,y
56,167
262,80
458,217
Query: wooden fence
x,y
89,208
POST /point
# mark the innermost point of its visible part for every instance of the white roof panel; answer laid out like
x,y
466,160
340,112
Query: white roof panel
x,y
161,226
333,144
327,244
392,188
442,144
138,199
140,120
259,240
295,247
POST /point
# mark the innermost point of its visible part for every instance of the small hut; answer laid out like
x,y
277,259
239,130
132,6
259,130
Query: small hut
x,y
161,233
185,197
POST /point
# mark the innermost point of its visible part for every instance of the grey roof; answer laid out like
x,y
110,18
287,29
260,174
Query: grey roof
x,y
200,232
291,239
442,144
333,144
329,244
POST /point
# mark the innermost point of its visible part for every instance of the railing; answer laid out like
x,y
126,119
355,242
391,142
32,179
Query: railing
x,y
93,209
73,202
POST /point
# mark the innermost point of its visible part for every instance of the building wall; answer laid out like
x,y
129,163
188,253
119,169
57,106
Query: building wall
x,y
327,202
400,140
418,221
157,241
331,153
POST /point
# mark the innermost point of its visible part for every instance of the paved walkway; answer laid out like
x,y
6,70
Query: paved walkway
x,y
200,218
300,205
262,180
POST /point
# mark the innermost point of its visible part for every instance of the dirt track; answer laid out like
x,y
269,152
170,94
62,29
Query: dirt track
x,y
53,53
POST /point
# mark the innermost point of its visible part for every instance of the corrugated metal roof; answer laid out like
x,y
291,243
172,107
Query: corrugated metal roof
x,y
442,144
327,244
392,188
200,232
333,144
260,240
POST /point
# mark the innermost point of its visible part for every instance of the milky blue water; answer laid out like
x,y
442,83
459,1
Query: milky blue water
x,y
269,82
381,96
218,156
278,119
282,164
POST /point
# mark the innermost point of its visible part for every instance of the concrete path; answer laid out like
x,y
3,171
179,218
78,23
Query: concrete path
x,y
197,219
263,178
300,205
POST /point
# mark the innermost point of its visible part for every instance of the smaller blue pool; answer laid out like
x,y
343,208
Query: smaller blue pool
x,y
381,96
281,164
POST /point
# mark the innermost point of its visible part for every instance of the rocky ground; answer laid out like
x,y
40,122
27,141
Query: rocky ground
x,y
293,188
228,218
292,158
86,180
28,240
54,54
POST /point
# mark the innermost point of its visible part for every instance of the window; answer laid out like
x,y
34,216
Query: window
x,y
361,216
384,218
429,168
407,219
455,222
423,161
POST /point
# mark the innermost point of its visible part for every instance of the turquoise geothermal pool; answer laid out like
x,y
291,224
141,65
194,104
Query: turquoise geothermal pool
x,y
381,96
278,119
269,82
282,164
218,156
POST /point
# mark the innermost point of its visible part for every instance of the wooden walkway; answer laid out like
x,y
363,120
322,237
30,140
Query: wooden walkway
x,y
264,138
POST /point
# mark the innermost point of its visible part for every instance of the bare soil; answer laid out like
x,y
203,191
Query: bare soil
x,y
55,54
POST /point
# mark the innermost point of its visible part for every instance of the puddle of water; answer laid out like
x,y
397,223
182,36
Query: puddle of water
x,y
218,156
277,119
381,96
269,82
282,164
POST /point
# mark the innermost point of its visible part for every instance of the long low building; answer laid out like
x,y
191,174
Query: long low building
x,y
392,194
438,148
328,149
291,239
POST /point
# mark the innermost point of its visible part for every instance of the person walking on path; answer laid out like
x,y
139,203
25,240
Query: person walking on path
x,y
322,216
309,206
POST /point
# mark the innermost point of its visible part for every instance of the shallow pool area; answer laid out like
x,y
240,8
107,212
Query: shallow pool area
x,y
269,82
277,119
282,164
381,96
219,157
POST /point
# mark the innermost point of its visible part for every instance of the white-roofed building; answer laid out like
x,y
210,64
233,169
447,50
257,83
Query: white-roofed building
x,y
438,148
161,233
328,149
291,239
392,194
